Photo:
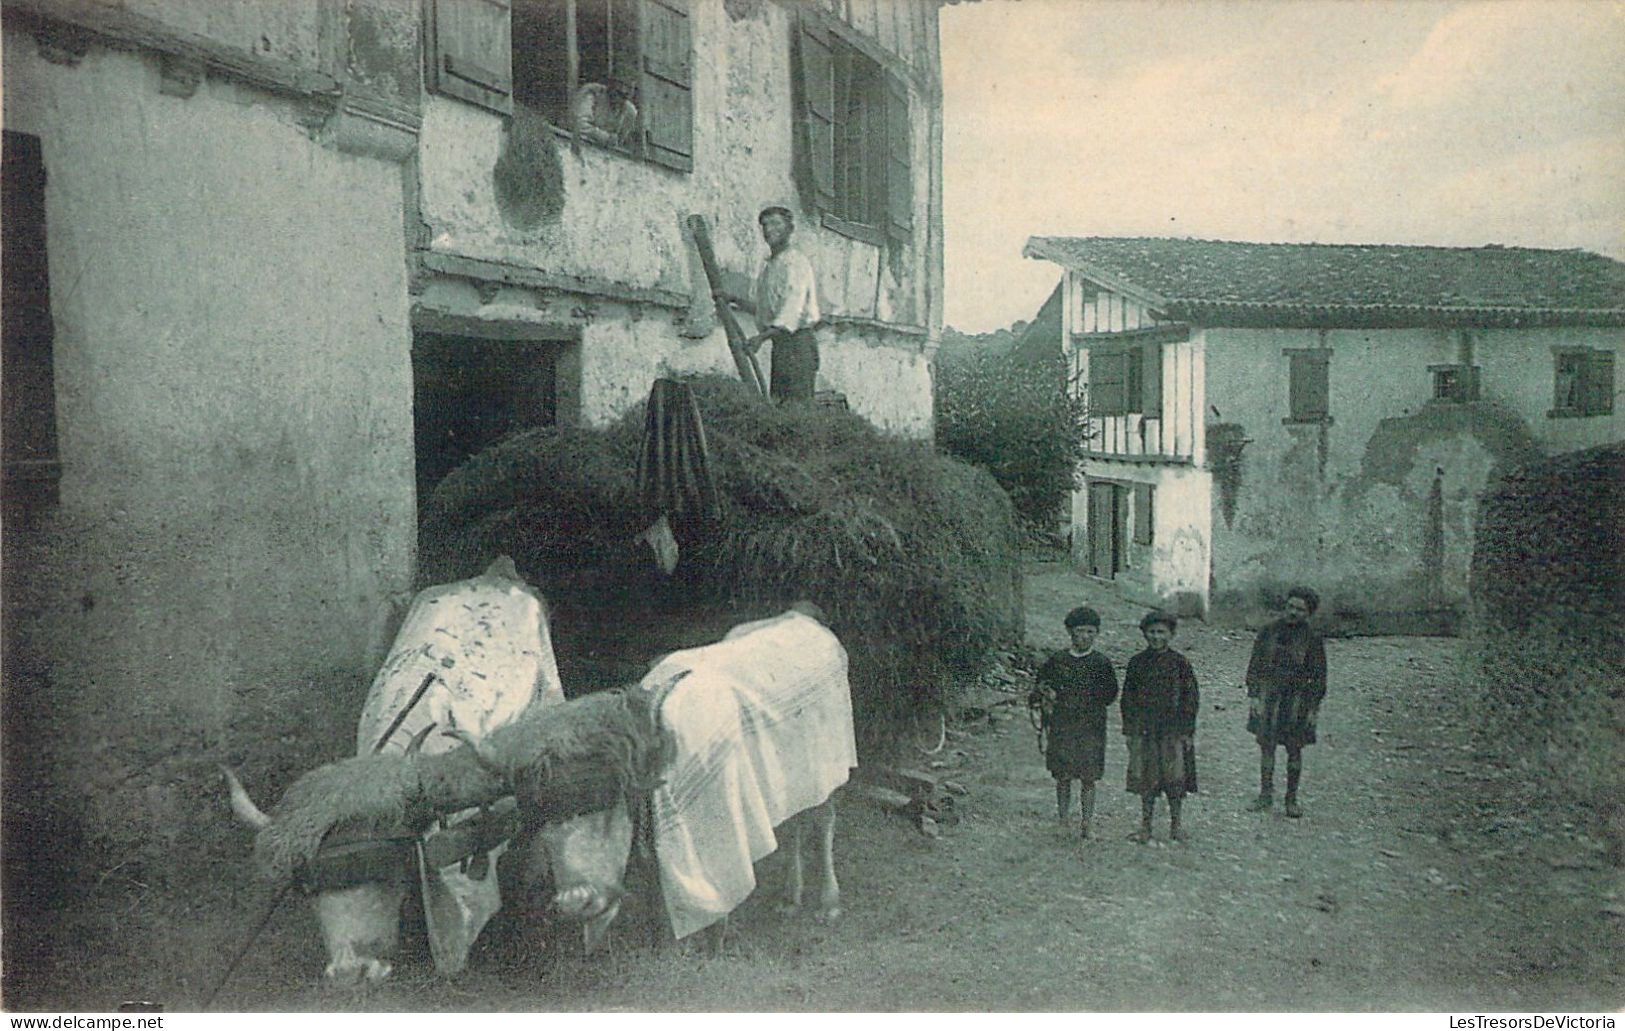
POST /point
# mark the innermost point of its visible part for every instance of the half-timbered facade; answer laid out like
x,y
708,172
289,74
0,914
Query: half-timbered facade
x,y
1263,414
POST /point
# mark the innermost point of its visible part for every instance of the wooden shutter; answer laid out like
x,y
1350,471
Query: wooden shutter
x,y
1307,388
1102,525
899,176
666,92
815,76
471,42
1107,382
1144,497
1151,380
27,376
1599,383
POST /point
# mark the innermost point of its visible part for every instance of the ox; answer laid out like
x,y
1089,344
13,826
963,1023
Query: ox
x,y
712,749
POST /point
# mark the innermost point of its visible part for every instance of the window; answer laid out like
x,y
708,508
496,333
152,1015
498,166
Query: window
x,y
1584,382
1455,383
854,140
1144,499
28,374
555,57
1307,386
1124,380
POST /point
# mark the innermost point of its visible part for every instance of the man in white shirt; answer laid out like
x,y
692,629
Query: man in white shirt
x,y
787,310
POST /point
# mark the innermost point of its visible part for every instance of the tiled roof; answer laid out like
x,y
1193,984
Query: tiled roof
x,y
1222,282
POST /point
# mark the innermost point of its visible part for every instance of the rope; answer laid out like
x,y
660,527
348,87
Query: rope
x,y
259,929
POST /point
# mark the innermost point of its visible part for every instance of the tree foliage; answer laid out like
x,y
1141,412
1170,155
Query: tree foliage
x,y
1015,415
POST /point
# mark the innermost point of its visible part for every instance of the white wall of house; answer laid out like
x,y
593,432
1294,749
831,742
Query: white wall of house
x,y
1347,504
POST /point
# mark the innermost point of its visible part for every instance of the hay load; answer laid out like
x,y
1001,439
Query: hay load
x,y
913,555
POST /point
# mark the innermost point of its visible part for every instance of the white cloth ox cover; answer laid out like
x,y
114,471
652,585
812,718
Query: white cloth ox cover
x,y
486,642
763,727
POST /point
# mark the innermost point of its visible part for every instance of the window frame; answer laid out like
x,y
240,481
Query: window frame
x,y
498,88
1467,380
1592,384
1299,413
887,158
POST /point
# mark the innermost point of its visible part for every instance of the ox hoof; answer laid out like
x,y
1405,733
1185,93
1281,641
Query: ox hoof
x,y
829,914
356,975
787,906
581,902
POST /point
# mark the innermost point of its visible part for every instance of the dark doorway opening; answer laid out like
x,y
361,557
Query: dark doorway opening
x,y
469,392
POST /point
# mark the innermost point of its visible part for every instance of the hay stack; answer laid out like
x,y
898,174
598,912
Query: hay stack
x,y
912,554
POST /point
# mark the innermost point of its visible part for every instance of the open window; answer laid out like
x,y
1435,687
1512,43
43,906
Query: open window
x,y
1583,382
854,138
1454,384
617,73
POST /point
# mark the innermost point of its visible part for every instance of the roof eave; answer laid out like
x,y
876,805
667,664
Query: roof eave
x,y
1260,314
1037,247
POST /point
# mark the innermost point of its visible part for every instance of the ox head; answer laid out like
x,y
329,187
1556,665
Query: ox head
x,y
346,835
360,922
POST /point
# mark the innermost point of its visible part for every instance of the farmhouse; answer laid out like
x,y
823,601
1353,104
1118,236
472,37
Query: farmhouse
x,y
273,268
1264,414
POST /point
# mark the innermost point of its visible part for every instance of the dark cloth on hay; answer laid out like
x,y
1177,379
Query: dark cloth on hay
x,y
1075,722
795,366
1286,680
674,463
1160,702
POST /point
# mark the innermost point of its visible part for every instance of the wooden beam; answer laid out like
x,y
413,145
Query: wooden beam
x,y
123,29
520,275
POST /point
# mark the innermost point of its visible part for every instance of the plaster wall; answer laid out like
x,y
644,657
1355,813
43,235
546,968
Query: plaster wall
x,y
619,365
233,396
1172,571
1375,507
601,215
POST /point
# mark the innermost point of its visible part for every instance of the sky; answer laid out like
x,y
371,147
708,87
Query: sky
x,y
1333,121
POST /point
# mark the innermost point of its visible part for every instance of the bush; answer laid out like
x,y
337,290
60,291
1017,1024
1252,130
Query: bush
x,y
1017,418
1546,644
913,555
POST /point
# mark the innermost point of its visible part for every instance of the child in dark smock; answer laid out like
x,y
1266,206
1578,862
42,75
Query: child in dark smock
x,y
1160,701
1075,687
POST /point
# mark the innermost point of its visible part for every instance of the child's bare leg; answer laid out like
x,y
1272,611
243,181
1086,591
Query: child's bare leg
x,y
1266,779
1088,798
1148,808
1294,772
1063,799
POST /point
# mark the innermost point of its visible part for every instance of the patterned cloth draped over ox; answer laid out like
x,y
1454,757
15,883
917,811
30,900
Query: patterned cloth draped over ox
x,y
485,642
758,739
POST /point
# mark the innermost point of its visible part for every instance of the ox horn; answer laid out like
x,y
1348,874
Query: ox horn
x,y
241,804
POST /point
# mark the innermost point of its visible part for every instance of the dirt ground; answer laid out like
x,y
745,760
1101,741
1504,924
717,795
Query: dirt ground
x,y
1423,876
